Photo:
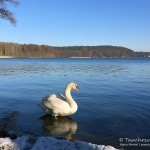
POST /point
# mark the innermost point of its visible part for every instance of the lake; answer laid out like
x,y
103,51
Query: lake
x,y
113,100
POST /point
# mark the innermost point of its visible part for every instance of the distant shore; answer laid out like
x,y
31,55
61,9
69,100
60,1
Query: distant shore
x,y
6,57
79,57
46,51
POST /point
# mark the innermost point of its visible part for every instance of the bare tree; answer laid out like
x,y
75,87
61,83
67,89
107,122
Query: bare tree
x,y
5,13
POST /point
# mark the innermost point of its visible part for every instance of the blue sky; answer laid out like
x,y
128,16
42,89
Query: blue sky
x,y
80,22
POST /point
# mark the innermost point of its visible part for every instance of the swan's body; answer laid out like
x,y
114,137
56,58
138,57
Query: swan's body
x,y
58,105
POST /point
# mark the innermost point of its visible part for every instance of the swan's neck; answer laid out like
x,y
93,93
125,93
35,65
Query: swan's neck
x,y
69,98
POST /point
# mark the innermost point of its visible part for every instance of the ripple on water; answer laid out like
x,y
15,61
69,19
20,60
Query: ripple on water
x,y
113,100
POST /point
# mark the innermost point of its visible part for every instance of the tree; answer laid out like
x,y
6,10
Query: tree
x,y
5,13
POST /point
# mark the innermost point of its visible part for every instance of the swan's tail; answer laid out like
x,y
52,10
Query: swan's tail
x,y
48,111
41,106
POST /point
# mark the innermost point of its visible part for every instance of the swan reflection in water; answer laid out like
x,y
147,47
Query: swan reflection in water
x,y
59,126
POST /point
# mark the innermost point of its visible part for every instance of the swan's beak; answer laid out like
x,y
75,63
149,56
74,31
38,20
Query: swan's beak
x,y
77,89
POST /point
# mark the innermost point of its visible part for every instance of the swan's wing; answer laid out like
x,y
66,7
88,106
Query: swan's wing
x,y
60,96
56,103
54,96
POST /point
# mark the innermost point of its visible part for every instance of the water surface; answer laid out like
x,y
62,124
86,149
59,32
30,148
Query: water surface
x,y
114,98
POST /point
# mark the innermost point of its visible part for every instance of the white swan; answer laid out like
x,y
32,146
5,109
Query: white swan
x,y
58,105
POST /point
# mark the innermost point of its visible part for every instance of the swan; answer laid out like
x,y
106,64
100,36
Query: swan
x,y
58,105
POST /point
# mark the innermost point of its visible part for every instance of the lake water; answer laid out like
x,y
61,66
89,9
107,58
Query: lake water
x,y
113,103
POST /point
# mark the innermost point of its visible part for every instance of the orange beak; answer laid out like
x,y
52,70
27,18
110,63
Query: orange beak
x,y
77,89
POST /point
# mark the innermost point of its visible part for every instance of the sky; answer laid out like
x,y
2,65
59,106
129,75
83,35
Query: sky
x,y
80,22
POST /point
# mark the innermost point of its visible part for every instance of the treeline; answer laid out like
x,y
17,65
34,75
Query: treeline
x,y
30,50
95,51
45,51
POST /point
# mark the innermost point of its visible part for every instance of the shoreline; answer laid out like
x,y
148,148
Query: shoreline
x,y
80,57
3,57
48,142
6,57
22,141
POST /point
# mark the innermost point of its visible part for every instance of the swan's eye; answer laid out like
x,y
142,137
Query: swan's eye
x,y
76,87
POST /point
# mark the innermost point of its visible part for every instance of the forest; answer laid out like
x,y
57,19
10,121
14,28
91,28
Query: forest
x,y
45,51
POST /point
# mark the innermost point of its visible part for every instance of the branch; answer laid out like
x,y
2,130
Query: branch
x,y
14,2
5,13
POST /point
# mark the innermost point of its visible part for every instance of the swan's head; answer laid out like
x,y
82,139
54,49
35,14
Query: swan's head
x,y
74,86
77,89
